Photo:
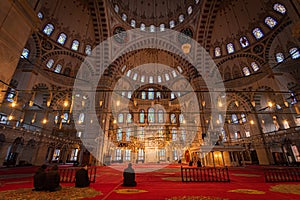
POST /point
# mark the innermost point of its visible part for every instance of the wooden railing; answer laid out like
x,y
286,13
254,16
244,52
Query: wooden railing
x,y
204,174
67,175
286,174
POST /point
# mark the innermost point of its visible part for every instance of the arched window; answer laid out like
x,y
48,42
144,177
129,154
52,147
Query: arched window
x,y
270,22
279,57
181,118
129,118
279,8
167,77
119,134
58,68
160,116
25,53
243,116
294,52
143,78
158,95
142,116
124,17
150,93
174,73
123,68
75,45
88,50
128,73
135,76
152,28
62,38
151,117
174,134
143,95
254,66
173,118
172,95
190,10
150,79
129,95
50,63
128,133
133,23
65,118
230,48
234,119
181,18
143,27
40,15
217,52
159,79
257,32
246,71
162,27
179,69
183,135
197,1
120,118
49,28
116,8
162,154
81,118
172,24
244,41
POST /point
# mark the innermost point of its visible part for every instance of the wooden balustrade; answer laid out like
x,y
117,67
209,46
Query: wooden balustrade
x,y
204,174
286,174
67,175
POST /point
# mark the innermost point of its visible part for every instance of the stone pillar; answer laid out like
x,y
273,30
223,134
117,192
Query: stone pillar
x,y
3,153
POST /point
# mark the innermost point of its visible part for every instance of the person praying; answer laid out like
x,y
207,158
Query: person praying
x,y
129,176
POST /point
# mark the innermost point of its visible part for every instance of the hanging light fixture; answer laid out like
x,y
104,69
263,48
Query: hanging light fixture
x,y
31,102
15,101
49,100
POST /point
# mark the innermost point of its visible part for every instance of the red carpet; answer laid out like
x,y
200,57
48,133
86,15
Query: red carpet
x,y
165,183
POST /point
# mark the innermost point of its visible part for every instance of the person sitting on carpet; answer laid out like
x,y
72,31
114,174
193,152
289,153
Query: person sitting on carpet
x,y
129,176
53,179
39,178
82,177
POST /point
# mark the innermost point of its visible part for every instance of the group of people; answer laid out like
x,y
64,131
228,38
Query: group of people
x,y
50,180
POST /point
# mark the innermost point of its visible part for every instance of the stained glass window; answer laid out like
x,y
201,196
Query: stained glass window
x,y
270,22
151,93
244,42
160,116
173,118
179,69
181,18
294,53
217,52
65,118
190,10
143,95
183,134
279,57
142,116
88,50
58,68
234,118
143,27
50,63
135,76
151,118
127,154
128,73
230,48
174,73
128,133
48,29
129,118
159,79
119,134
25,53
62,38
254,66
40,15
257,32
160,133
75,45
124,17
172,95
152,28
181,118
116,8
133,23
158,95
120,118
129,95
172,24
243,116
246,71
197,1
174,134
143,78
162,27
279,8
123,68
150,79
167,77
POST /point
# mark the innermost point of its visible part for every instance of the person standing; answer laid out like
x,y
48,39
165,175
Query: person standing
x,y
82,177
